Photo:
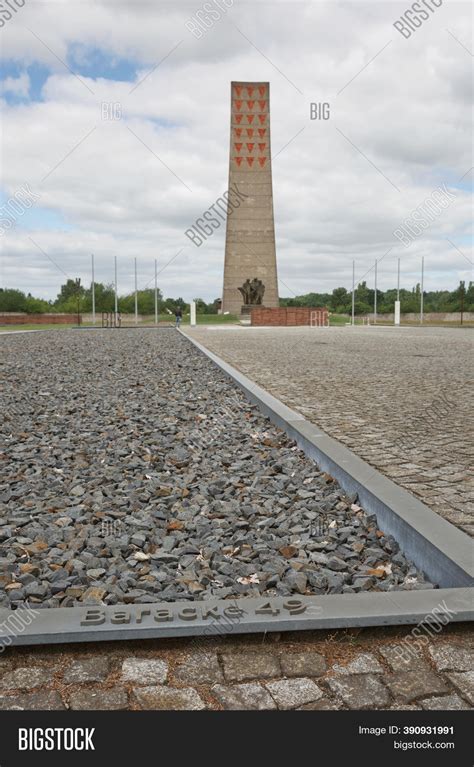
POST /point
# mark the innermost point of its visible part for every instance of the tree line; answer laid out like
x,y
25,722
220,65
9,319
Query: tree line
x,y
340,300
74,297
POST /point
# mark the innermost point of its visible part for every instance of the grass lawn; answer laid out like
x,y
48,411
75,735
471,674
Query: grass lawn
x,y
336,320
165,321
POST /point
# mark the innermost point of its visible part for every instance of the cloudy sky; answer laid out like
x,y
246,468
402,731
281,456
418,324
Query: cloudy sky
x,y
399,127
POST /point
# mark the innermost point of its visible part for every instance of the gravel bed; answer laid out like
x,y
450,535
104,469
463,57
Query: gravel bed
x,y
134,471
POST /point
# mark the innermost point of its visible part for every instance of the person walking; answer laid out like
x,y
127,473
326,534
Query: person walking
x,y
179,316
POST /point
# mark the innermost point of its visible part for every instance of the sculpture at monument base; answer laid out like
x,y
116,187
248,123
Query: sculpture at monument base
x,y
252,293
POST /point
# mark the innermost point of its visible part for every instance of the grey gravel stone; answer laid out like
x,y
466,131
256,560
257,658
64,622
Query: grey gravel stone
x,y
43,700
144,671
362,691
89,670
366,663
403,657
168,699
445,703
243,697
464,683
199,668
324,704
25,678
407,686
252,665
293,693
202,496
303,664
113,699
452,657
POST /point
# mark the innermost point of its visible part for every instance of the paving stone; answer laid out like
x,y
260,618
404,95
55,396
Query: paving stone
x,y
25,678
444,703
89,670
360,691
168,699
114,699
144,671
303,664
403,707
403,657
374,426
452,657
407,686
292,693
251,665
366,663
43,700
243,697
320,705
199,668
464,683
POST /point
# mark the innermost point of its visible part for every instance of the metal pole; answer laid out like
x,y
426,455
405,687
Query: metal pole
x,y
93,291
156,294
375,295
78,299
421,296
136,293
353,289
116,301
398,281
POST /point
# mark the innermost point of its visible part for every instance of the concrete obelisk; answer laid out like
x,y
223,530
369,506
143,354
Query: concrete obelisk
x,y
250,234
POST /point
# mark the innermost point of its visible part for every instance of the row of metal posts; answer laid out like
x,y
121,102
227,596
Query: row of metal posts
x,y
397,303
116,294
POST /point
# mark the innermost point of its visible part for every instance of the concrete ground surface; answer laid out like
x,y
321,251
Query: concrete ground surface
x,y
400,398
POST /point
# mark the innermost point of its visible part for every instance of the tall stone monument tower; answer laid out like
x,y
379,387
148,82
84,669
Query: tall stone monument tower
x,y
250,234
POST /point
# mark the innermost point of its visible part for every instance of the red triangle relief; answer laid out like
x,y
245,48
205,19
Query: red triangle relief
x,y
261,90
238,105
261,161
238,160
250,90
238,132
238,118
261,147
262,105
250,104
262,118
250,160
261,132
238,90
250,147
238,147
249,132
250,118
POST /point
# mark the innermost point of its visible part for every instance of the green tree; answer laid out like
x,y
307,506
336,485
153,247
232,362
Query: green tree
x,y
12,300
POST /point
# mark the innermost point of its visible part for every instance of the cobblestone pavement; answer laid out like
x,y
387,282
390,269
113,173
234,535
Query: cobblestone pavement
x,y
352,669
399,398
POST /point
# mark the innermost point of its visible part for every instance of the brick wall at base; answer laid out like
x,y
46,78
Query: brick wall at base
x,y
16,318
289,316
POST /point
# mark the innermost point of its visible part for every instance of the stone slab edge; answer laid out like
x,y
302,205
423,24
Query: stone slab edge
x,y
228,617
439,549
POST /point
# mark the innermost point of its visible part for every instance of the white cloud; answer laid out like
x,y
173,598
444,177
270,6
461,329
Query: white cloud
x,y
19,86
